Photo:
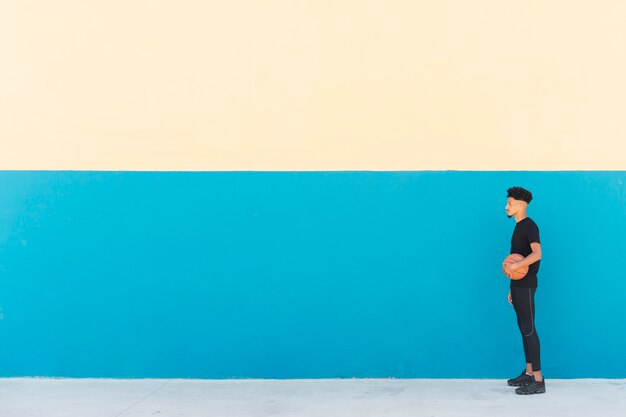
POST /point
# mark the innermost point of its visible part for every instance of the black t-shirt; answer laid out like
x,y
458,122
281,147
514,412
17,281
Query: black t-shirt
x,y
525,233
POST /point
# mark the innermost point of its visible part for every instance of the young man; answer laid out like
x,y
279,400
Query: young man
x,y
525,241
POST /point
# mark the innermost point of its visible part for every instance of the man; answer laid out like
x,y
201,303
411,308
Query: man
x,y
525,241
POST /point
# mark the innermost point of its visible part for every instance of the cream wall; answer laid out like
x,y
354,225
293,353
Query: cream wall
x,y
312,85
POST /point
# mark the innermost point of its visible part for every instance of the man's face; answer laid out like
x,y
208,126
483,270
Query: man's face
x,y
513,206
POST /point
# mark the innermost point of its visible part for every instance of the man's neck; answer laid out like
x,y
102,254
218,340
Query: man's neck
x,y
520,216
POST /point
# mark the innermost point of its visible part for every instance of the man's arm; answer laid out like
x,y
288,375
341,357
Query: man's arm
x,y
529,260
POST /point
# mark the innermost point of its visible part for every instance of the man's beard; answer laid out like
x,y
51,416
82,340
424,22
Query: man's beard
x,y
509,215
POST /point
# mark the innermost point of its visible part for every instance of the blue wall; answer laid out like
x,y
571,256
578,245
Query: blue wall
x,y
303,274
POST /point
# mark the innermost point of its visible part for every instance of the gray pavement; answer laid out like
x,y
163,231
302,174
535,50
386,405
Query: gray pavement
x,y
49,397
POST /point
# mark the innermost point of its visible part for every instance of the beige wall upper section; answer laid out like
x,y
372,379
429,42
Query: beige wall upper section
x,y
312,84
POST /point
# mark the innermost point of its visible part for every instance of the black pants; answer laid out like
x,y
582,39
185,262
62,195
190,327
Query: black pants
x,y
524,304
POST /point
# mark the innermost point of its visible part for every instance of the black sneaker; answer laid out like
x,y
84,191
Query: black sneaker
x,y
521,380
535,387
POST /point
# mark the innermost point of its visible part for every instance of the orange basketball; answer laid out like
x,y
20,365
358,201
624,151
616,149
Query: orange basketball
x,y
518,273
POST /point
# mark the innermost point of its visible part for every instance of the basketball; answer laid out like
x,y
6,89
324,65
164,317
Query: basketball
x,y
518,273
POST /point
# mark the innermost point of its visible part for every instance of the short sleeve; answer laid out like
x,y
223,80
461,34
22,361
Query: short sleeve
x,y
532,233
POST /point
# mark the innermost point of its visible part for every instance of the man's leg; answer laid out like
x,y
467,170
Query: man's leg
x,y
524,299
524,303
529,366
526,377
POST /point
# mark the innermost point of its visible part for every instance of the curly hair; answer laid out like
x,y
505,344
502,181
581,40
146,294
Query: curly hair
x,y
520,193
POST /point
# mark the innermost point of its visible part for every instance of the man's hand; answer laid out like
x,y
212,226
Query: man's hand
x,y
510,299
510,268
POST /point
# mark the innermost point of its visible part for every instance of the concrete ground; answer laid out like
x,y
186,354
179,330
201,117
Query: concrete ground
x,y
43,397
